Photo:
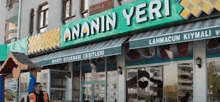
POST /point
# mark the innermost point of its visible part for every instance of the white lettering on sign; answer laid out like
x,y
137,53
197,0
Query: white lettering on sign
x,y
57,60
95,25
67,35
140,12
78,31
110,21
128,16
196,35
93,54
217,32
167,8
72,58
85,30
166,39
155,10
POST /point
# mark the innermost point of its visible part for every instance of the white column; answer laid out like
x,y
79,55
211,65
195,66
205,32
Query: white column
x,y
199,74
121,89
69,83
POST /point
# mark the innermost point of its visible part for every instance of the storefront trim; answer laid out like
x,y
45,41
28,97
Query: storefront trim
x,y
103,49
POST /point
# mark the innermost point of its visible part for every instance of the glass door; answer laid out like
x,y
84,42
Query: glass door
x,y
93,81
93,92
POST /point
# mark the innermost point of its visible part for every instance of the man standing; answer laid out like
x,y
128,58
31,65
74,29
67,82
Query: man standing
x,y
38,95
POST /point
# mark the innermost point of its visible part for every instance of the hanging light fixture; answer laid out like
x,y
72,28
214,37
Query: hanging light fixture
x,y
199,62
119,70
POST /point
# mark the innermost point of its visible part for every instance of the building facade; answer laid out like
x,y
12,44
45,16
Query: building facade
x,y
121,50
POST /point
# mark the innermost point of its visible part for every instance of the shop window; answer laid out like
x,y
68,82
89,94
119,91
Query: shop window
x,y
43,12
23,85
76,83
85,8
10,3
213,80
58,94
168,85
31,22
164,53
67,10
94,79
112,80
212,47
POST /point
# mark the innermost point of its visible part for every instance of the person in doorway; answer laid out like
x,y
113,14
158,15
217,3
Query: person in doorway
x,y
38,95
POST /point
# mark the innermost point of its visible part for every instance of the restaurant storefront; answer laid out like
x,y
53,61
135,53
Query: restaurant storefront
x,y
143,51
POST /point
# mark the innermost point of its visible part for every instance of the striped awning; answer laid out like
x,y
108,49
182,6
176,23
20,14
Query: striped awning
x,y
102,49
183,33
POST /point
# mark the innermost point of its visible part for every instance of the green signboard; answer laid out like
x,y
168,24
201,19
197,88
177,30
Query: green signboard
x,y
186,36
3,51
18,46
134,16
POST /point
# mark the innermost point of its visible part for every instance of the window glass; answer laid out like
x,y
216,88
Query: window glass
x,y
86,4
31,21
43,18
76,82
67,9
47,13
160,54
112,79
85,7
171,82
213,68
93,79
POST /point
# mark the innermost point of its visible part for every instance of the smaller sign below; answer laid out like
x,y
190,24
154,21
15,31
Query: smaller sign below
x,y
186,36
78,57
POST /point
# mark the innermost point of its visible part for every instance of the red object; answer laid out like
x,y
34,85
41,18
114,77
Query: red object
x,y
100,60
76,63
182,48
86,62
213,43
163,52
133,54
112,58
147,52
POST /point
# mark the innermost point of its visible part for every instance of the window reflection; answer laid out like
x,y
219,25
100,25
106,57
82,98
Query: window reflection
x,y
93,80
213,68
171,82
112,80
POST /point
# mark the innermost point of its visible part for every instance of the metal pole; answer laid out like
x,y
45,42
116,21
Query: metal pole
x,y
81,93
18,90
105,98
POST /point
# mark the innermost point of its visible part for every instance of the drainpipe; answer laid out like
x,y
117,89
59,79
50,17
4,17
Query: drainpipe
x,y
19,20
18,38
